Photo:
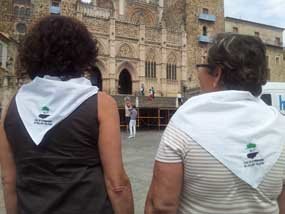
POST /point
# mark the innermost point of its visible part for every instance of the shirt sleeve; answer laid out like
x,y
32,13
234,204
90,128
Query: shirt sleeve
x,y
173,146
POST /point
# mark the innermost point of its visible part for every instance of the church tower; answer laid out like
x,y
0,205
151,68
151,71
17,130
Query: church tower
x,y
204,19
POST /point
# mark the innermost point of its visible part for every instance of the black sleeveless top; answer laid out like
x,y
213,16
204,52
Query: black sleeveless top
x,y
63,174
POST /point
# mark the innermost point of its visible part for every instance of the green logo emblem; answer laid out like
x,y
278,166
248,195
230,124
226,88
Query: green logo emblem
x,y
45,112
252,152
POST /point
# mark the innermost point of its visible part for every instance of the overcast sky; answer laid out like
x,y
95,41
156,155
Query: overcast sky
x,y
271,12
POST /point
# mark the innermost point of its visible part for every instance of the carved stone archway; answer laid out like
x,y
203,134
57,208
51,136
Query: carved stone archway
x,y
96,77
128,67
125,82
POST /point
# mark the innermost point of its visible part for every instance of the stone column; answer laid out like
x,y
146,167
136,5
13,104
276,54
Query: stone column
x,y
112,59
141,70
122,7
184,57
184,76
163,83
4,55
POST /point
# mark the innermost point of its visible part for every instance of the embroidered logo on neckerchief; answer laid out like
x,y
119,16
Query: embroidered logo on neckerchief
x,y
45,112
42,117
252,156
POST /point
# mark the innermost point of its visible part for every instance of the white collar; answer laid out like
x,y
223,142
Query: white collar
x,y
238,129
47,101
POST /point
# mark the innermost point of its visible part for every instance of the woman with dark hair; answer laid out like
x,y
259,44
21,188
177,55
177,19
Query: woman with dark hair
x,y
60,145
223,151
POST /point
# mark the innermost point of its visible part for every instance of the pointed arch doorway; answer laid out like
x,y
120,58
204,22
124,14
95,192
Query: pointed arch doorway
x,y
125,82
96,77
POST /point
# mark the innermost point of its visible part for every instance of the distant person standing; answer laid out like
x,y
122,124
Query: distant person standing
x,y
128,107
132,125
151,93
142,89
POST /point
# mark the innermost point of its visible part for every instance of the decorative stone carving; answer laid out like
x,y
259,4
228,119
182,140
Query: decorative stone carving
x,y
171,58
174,37
174,15
105,4
97,25
93,11
153,34
127,30
142,15
150,55
125,51
101,49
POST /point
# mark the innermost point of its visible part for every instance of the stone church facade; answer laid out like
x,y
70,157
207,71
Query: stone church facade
x,y
151,42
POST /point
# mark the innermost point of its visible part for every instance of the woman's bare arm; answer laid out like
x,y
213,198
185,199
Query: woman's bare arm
x,y
8,173
165,189
281,201
117,182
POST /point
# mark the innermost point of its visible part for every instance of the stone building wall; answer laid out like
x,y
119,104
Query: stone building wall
x,y
271,36
196,19
276,63
132,33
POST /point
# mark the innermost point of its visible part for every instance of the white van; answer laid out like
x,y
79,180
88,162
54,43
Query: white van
x,y
273,93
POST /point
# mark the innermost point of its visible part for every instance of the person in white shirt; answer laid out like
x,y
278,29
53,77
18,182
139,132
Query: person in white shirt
x,y
223,151
132,125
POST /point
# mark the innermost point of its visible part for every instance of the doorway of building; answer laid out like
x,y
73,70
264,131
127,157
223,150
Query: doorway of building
x,y
125,82
96,77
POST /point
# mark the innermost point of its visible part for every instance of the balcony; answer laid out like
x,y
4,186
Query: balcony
x,y
207,17
205,39
54,10
93,11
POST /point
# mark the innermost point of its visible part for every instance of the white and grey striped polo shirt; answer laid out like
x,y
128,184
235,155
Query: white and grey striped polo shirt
x,y
210,188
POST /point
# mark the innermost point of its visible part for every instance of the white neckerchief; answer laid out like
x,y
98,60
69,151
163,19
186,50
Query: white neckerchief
x,y
45,102
238,129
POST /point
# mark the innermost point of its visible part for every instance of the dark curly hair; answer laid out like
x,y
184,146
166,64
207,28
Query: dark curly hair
x,y
57,46
242,59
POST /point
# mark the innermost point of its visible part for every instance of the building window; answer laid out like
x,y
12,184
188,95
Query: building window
x,y
55,3
256,34
235,29
28,12
277,41
150,69
16,11
86,1
205,11
277,60
55,7
205,31
22,11
21,28
171,72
